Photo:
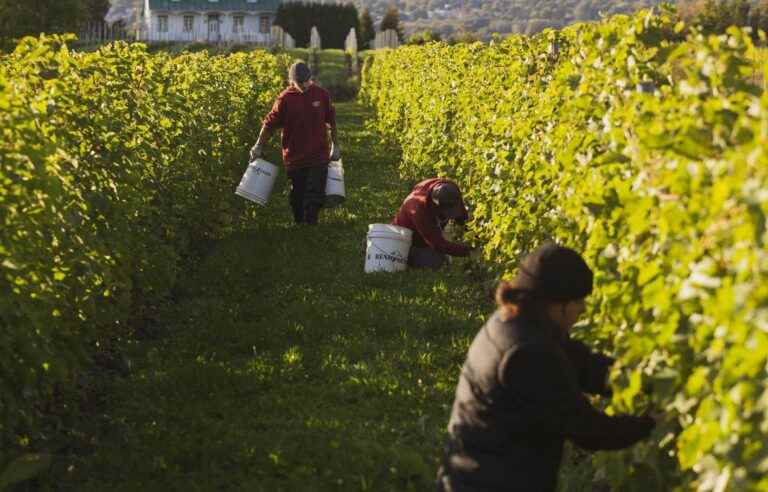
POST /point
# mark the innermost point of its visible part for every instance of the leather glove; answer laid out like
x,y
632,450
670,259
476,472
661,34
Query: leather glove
x,y
335,152
256,152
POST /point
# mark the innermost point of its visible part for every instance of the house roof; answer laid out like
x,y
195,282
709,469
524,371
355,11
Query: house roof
x,y
218,5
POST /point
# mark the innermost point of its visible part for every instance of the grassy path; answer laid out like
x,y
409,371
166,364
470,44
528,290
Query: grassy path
x,y
282,367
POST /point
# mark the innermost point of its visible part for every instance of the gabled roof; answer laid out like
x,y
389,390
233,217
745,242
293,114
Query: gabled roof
x,y
218,6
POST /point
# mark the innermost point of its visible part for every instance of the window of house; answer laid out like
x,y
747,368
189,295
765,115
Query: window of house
x,y
189,23
238,24
162,23
264,24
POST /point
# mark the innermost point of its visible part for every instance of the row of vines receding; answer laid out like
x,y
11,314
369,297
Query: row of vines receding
x,y
645,147
113,166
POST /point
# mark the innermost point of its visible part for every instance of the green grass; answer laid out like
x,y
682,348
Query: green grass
x,y
332,56
298,53
281,366
333,67
331,71
333,74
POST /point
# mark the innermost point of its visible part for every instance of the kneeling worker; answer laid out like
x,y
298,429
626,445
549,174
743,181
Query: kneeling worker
x,y
431,204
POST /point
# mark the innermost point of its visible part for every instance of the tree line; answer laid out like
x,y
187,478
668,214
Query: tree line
x,y
23,18
333,22
715,16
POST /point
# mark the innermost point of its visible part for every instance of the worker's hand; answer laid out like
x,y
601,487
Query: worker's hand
x,y
335,152
256,152
659,416
476,252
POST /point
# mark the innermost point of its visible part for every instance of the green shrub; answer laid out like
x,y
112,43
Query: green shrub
x,y
344,90
424,37
649,155
113,165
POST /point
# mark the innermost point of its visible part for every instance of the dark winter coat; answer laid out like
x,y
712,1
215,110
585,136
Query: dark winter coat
x,y
520,395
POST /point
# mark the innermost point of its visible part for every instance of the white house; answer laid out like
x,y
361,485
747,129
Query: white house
x,y
240,21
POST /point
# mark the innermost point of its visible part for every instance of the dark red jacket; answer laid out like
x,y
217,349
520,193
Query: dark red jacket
x,y
303,116
419,214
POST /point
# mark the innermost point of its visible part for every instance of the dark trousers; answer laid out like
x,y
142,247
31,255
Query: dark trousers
x,y
307,192
426,258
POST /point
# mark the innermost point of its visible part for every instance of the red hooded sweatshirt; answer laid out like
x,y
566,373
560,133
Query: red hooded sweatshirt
x,y
303,116
420,215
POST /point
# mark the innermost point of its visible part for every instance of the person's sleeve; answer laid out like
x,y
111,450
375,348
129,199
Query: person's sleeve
x,y
276,116
591,368
551,402
330,115
635,430
433,236
465,214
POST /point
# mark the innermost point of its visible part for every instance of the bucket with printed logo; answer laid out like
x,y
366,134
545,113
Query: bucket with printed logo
x,y
387,248
334,185
258,181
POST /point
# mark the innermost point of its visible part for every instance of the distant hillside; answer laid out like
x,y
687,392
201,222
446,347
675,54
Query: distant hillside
x,y
483,17
480,17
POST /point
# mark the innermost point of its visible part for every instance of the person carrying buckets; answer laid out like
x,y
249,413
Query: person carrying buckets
x,y
521,390
428,208
305,114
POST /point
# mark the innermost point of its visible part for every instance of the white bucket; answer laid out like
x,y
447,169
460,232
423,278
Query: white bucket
x,y
387,248
334,184
258,181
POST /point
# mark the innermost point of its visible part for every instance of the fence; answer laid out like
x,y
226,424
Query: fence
x,y
207,36
386,39
102,32
350,47
314,39
281,38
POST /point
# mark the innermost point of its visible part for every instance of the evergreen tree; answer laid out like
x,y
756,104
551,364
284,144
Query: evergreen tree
x,y
333,22
25,18
96,10
391,20
367,31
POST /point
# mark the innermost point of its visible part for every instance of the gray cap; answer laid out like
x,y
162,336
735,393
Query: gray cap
x,y
299,72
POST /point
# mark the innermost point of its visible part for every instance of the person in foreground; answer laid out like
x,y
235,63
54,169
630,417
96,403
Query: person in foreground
x,y
305,113
427,209
521,390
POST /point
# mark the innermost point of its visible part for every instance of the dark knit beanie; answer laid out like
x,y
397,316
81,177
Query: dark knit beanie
x,y
553,273
299,72
447,194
